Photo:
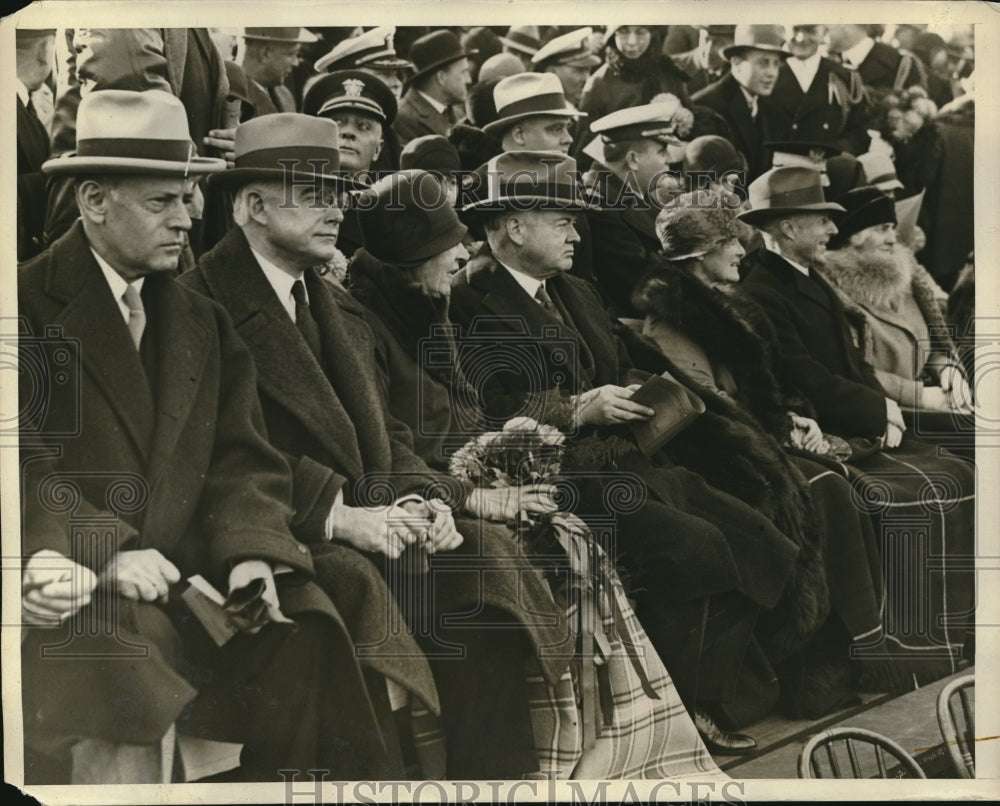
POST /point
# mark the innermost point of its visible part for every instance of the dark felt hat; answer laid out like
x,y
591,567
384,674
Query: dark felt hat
x,y
410,219
434,51
286,146
525,180
865,207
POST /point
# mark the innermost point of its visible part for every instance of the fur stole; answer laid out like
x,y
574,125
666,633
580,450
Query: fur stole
x,y
878,282
735,444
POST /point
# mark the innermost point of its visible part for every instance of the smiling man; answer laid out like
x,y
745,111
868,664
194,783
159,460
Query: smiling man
x,y
755,58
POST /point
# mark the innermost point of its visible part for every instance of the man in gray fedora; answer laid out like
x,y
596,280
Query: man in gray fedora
x,y
151,420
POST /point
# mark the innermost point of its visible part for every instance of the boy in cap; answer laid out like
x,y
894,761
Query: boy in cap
x,y
755,59
168,454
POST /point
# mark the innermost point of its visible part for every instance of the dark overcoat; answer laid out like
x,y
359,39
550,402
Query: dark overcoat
x,y
32,151
881,68
748,134
416,117
818,355
180,465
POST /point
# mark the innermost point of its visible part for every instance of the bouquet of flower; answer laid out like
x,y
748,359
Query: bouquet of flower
x,y
525,452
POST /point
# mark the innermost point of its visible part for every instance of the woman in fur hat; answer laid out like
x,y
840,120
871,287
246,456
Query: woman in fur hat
x,y
894,303
724,344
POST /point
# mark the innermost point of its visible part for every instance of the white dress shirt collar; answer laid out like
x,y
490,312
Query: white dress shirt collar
x,y
440,107
116,283
854,56
526,281
805,69
751,99
281,281
22,92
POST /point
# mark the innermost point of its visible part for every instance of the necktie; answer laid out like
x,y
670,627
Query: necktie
x,y
136,313
546,301
753,107
304,320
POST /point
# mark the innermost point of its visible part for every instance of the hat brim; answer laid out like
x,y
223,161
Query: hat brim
x,y
437,66
733,50
70,164
234,178
297,41
500,125
525,202
327,65
763,214
520,48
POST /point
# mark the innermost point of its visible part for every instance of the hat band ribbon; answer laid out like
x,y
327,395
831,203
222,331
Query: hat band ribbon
x,y
549,102
533,194
301,159
353,102
135,148
794,198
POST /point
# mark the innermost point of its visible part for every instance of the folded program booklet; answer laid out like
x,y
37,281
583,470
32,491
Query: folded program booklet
x,y
676,408
208,605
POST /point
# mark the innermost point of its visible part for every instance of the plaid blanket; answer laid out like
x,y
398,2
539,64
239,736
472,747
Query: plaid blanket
x,y
642,728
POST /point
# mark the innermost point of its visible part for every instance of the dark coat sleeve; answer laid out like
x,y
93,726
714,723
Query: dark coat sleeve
x,y
842,405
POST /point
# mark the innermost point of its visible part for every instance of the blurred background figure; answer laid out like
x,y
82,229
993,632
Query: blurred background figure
x,y
34,52
269,57
523,41
569,57
372,52
440,82
704,63
226,40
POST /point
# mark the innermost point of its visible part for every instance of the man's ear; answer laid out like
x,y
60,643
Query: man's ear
x,y
92,199
517,134
515,230
378,149
631,161
256,209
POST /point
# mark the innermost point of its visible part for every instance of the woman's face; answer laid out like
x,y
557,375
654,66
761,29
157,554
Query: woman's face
x,y
632,40
721,265
434,275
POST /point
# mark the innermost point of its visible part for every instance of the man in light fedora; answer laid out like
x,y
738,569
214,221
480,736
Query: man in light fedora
x,y
533,114
632,175
269,56
154,397
755,58
440,81
570,58
372,52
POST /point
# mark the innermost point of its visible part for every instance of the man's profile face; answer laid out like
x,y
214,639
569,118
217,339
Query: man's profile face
x,y
546,133
810,233
303,221
360,139
145,223
455,80
572,79
647,162
757,71
280,61
549,240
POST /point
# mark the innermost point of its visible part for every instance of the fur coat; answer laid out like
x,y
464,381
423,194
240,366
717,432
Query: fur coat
x,y
736,443
892,304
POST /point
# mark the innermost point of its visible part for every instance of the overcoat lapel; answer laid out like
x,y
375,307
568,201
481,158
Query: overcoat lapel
x,y
181,360
287,371
92,317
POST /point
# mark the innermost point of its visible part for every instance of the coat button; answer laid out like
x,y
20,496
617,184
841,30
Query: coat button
x,y
795,125
826,125
302,549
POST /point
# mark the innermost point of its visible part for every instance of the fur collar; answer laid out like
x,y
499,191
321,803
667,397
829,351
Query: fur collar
x,y
875,279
